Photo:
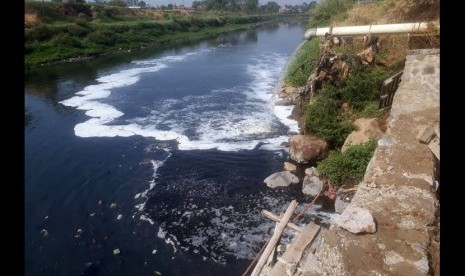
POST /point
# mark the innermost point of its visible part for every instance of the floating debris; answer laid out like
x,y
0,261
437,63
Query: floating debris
x,y
44,233
113,205
46,217
78,233
100,202
157,272
116,251
154,251
119,217
92,214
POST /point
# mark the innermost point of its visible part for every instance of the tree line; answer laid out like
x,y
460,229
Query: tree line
x,y
248,6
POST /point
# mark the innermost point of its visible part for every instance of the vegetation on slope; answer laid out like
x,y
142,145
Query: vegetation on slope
x,y
349,165
331,112
299,69
57,31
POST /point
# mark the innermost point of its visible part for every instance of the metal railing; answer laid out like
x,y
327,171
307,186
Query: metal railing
x,y
388,90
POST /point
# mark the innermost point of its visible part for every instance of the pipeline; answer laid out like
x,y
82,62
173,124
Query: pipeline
x,y
368,29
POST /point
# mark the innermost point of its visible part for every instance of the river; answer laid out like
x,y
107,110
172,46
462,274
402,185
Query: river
x,y
153,161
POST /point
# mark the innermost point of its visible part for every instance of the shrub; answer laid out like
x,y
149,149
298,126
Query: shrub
x,y
324,118
364,87
65,40
194,29
73,8
102,37
348,166
40,33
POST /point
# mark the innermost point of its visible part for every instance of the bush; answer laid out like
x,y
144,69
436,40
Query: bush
x,y
364,86
296,76
65,40
40,33
324,118
102,37
348,166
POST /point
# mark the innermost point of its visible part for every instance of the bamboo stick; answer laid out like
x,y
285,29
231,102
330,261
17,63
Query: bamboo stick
x,y
274,239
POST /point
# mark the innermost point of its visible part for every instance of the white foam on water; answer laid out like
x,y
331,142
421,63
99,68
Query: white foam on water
x,y
156,164
196,123
283,113
221,128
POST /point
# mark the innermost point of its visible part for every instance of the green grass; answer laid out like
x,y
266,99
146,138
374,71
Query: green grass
x,y
53,42
348,166
363,86
301,66
324,117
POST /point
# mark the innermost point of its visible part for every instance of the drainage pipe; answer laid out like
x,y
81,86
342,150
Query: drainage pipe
x,y
368,29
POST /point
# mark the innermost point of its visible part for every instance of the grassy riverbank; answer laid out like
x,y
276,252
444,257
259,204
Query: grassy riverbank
x,y
52,35
333,109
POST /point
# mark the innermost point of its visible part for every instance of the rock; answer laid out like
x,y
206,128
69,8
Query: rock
x,y
284,102
285,144
368,128
281,179
116,251
290,167
311,171
307,148
356,220
312,185
289,91
340,204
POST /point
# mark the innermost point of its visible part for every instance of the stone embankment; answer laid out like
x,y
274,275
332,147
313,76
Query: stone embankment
x,y
395,211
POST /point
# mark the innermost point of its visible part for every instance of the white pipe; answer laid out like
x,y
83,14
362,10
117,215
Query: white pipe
x,y
368,29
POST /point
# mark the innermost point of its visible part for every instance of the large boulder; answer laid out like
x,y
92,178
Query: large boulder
x,y
356,220
368,128
312,185
281,179
307,148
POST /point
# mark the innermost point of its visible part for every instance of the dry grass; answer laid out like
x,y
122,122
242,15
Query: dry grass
x,y
394,47
31,20
392,11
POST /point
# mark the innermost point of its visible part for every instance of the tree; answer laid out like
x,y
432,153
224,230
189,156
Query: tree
x,y
251,5
197,4
142,4
270,7
117,3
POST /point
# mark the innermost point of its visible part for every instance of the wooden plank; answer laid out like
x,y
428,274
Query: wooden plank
x,y
296,249
272,259
275,238
276,218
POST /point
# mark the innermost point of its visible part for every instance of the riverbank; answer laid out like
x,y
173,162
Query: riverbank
x,y
51,38
162,43
383,178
